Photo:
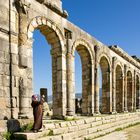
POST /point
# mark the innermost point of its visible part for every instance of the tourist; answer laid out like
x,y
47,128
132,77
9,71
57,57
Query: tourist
x,y
37,112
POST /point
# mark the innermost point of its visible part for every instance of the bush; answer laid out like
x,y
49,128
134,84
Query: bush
x,y
27,127
8,135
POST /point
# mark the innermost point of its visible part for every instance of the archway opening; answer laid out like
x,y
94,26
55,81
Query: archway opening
x,y
42,70
78,84
55,39
119,89
105,69
129,91
86,77
100,88
137,93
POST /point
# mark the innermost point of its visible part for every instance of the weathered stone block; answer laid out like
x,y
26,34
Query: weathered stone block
x,y
4,45
4,80
6,69
84,126
4,57
60,131
66,137
15,71
14,49
82,133
23,61
4,15
15,59
30,62
73,128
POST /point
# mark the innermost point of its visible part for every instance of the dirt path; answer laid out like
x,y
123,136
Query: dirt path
x,y
132,133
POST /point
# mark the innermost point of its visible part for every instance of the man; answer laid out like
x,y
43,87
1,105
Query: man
x,y
37,112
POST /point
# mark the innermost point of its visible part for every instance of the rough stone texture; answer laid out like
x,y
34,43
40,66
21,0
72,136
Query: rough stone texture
x,y
91,128
120,72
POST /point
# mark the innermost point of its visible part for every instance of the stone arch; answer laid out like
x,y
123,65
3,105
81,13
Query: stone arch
x,y
137,92
86,54
47,27
56,39
107,58
129,91
119,64
119,88
105,104
84,43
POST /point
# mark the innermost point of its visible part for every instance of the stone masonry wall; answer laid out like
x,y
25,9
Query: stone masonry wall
x,y
18,20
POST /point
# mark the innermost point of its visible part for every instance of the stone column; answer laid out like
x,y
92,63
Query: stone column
x,y
123,96
70,76
91,93
22,8
113,86
125,89
132,100
96,49
134,88
110,108
70,85
59,85
139,96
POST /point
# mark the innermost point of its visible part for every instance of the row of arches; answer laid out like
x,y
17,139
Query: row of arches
x,y
126,86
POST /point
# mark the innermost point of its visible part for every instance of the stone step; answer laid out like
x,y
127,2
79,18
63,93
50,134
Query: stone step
x,y
96,131
83,128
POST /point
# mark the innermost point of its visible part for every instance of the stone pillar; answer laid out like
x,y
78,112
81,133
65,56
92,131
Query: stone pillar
x,y
70,85
132,100
91,110
125,89
70,76
44,91
139,96
23,99
59,85
96,49
113,86
123,96
22,8
110,94
134,88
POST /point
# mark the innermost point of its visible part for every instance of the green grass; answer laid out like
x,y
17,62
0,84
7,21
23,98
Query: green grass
x,y
7,135
26,127
50,133
71,119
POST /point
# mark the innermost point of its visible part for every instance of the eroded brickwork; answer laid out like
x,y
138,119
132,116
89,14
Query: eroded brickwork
x,y
120,72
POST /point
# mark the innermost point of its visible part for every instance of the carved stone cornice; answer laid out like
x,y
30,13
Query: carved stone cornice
x,y
54,8
124,55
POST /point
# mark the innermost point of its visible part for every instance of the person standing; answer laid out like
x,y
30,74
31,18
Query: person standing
x,y
37,112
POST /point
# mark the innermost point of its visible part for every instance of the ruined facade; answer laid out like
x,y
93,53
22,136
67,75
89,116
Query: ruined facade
x,y
120,72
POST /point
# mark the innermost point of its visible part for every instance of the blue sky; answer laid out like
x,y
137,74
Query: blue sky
x,y
110,21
